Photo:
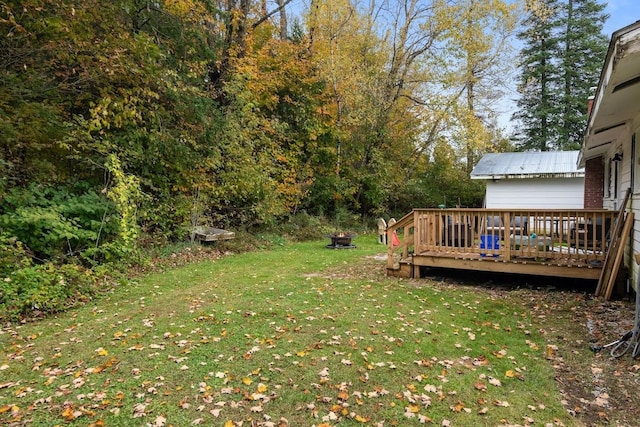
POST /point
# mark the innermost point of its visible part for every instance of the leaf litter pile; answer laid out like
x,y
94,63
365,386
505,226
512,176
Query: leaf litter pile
x,y
304,336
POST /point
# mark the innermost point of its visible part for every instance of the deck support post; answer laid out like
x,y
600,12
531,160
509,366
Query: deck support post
x,y
416,272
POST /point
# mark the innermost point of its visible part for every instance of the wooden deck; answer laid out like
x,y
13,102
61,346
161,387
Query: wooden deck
x,y
560,243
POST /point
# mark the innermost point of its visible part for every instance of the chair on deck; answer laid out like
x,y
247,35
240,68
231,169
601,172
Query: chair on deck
x,y
587,235
519,226
458,232
494,226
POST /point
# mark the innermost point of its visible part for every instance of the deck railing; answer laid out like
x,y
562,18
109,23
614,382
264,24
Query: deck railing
x,y
574,236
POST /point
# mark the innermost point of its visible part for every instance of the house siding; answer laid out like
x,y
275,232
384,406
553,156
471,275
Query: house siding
x,y
613,121
615,201
536,193
635,202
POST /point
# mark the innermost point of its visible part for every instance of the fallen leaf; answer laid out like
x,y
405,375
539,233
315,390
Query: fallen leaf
x,y
480,386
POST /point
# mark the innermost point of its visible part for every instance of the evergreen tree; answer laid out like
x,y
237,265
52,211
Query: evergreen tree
x,y
537,106
562,54
582,50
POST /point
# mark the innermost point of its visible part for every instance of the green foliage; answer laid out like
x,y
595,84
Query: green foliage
x,y
46,288
303,227
537,106
12,255
563,52
54,223
444,181
581,53
125,195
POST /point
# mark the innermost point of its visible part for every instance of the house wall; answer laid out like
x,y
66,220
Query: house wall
x,y
594,183
628,178
635,201
536,193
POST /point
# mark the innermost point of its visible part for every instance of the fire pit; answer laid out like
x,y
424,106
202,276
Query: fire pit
x,y
341,240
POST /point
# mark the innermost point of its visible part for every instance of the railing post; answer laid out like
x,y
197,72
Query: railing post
x,y
507,235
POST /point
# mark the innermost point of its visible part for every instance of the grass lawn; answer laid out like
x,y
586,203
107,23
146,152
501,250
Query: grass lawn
x,y
295,336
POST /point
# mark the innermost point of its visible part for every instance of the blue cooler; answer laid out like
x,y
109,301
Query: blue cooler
x,y
489,241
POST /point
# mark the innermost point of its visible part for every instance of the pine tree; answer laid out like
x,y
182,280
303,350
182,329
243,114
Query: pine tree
x,y
537,105
563,52
582,50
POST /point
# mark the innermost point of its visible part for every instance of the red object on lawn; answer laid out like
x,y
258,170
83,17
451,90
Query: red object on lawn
x,y
394,240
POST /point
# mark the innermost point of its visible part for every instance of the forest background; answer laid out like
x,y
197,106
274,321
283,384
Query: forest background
x,y
126,122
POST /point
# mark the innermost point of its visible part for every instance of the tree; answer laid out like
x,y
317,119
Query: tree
x,y
478,34
538,104
382,67
582,49
563,51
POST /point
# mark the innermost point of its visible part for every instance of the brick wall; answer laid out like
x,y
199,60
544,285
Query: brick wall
x,y
593,183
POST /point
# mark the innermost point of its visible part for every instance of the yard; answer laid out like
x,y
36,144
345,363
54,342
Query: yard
x,y
302,335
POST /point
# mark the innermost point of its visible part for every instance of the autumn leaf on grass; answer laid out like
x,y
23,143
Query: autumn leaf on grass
x,y
69,414
459,407
411,410
331,416
513,374
480,386
324,373
500,354
139,410
6,408
160,421
423,419
361,419
430,388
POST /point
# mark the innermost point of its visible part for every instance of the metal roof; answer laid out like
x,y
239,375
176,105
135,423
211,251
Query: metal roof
x,y
528,164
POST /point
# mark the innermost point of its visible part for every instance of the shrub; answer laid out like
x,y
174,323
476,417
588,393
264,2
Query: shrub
x,y
12,255
54,223
45,289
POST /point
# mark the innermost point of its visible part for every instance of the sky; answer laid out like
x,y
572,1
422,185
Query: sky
x,y
621,13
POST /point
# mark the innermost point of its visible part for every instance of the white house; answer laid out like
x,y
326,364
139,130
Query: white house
x,y
532,180
609,152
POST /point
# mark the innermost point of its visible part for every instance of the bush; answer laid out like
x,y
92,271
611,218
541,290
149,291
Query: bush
x,y
12,255
303,226
45,289
54,223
